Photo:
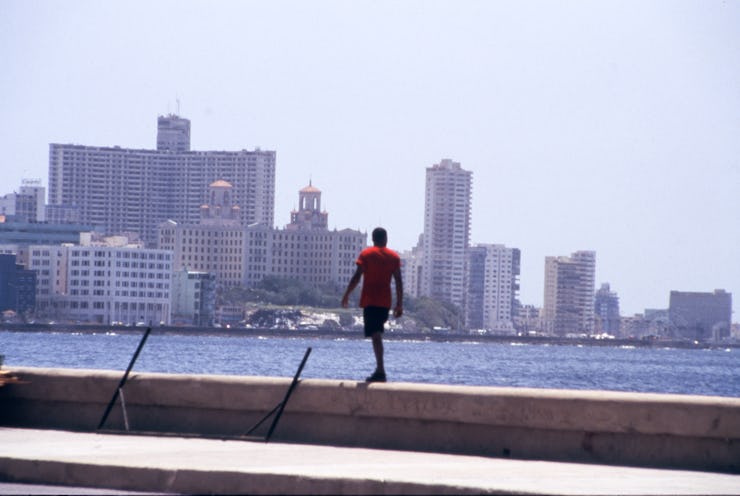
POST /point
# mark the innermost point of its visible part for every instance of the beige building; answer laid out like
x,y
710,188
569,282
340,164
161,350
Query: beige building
x,y
214,245
306,250
569,294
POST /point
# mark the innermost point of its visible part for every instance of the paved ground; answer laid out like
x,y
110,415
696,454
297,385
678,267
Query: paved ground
x,y
187,465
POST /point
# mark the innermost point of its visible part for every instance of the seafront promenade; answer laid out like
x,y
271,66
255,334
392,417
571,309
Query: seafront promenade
x,y
182,465
187,436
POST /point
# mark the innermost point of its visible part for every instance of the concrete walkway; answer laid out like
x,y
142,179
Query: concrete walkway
x,y
188,465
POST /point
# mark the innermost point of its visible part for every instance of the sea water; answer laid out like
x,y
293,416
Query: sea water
x,y
476,362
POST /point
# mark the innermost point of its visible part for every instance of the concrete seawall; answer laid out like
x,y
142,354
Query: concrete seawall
x,y
637,429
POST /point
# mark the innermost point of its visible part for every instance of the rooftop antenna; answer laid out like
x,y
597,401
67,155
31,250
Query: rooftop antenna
x,y
177,100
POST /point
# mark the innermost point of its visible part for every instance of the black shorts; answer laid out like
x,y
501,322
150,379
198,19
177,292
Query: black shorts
x,y
374,318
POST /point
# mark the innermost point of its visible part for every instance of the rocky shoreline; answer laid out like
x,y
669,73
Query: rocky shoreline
x,y
356,333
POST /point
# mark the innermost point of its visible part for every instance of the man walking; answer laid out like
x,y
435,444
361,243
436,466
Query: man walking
x,y
376,265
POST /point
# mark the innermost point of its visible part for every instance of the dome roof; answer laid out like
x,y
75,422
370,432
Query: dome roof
x,y
310,189
220,184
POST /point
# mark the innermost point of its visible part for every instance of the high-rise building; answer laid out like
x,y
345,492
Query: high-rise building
x,y
120,190
306,250
492,288
569,294
446,232
700,316
214,245
606,307
173,134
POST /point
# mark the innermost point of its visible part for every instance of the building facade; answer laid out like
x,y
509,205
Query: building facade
x,y
492,288
306,250
193,298
700,316
215,244
17,287
606,309
26,205
411,267
102,283
127,190
22,232
446,232
569,294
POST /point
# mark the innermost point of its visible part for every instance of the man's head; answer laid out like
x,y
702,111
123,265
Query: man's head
x,y
380,236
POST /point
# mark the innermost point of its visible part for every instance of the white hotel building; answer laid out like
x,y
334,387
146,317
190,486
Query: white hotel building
x,y
102,283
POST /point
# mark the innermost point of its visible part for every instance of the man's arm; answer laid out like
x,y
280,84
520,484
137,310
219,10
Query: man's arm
x,y
398,311
352,285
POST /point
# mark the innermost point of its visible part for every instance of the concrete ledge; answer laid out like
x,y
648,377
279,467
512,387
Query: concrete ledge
x,y
594,426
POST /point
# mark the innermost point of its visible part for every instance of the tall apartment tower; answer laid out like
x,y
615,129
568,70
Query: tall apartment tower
x,y
606,306
492,288
446,232
569,294
119,190
173,134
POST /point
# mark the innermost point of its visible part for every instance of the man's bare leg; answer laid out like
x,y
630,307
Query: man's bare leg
x,y
378,349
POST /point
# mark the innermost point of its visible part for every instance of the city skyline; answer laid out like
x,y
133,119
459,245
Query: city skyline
x,y
609,127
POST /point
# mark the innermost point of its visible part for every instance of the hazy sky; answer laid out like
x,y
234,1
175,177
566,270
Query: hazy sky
x,y
588,125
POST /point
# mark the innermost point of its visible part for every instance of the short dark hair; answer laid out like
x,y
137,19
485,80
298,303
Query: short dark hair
x,y
380,236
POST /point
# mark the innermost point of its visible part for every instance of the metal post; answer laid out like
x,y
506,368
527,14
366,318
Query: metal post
x,y
124,378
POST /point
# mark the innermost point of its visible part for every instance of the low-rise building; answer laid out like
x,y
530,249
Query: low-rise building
x,y
193,298
700,316
17,287
102,283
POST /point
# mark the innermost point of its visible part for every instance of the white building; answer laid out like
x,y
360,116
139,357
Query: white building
x,y
411,268
446,231
102,283
306,250
215,244
569,294
492,288
28,204
126,190
193,298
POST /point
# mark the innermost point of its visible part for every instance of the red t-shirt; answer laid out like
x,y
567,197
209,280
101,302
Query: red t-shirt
x,y
378,265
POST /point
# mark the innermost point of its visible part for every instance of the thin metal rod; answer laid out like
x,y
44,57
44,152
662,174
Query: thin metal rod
x,y
123,408
263,419
282,404
124,378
